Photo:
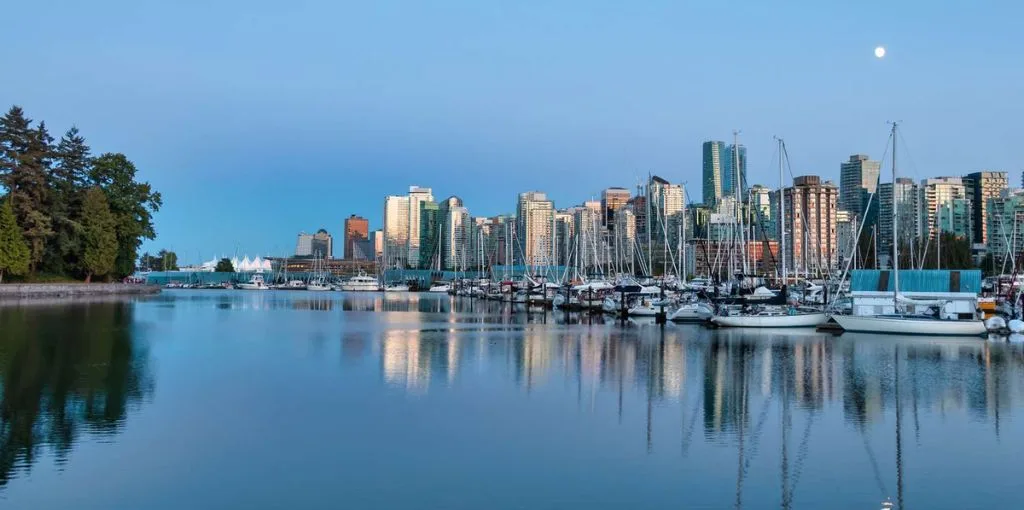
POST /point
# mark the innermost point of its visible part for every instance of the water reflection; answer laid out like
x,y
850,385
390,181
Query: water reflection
x,y
726,369
66,371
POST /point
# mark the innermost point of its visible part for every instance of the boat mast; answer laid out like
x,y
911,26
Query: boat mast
x,y
782,211
739,200
895,232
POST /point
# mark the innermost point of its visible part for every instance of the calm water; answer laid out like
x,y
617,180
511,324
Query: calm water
x,y
213,400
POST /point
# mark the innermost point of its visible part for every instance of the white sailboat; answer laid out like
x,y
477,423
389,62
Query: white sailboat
x,y
318,281
692,312
907,324
773,316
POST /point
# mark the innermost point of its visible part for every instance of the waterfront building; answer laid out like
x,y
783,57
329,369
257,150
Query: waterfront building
x,y
846,235
396,231
760,206
612,199
858,179
564,236
322,244
714,152
734,167
638,205
455,234
954,217
980,187
1005,225
811,207
357,229
624,238
935,193
534,229
908,203
416,195
666,200
430,235
304,245
588,234
378,244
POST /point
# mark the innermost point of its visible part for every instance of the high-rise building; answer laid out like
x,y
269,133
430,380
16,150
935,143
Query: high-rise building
x,y
396,231
565,249
588,234
323,244
908,206
304,245
534,229
497,232
456,230
954,217
357,229
734,167
666,200
416,195
811,207
612,199
981,186
858,179
846,233
378,243
714,154
1005,225
935,193
760,205
625,233
638,205
430,235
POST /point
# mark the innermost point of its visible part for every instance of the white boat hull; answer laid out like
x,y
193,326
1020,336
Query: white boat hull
x,y
692,313
397,288
315,287
909,326
643,311
800,320
251,286
361,287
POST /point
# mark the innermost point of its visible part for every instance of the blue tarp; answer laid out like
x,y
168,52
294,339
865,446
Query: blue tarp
x,y
914,280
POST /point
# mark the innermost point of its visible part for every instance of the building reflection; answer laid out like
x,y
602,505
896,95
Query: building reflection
x,y
726,375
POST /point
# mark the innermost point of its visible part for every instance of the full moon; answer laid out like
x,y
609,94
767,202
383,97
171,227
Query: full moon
x,y
880,51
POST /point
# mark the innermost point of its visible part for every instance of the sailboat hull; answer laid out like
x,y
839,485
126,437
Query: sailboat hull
x,y
879,324
800,320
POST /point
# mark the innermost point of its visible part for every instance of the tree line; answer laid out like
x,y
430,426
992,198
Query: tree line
x,y
65,212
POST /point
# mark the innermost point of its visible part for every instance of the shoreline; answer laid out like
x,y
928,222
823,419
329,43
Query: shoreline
x,y
20,291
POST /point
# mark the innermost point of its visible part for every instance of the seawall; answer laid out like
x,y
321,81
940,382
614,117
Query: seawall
x,y
50,290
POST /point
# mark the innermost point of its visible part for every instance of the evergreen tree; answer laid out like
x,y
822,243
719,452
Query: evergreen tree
x,y
132,203
14,253
224,266
24,160
98,235
68,176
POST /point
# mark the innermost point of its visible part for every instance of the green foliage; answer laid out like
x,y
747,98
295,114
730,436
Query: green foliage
x,y
164,260
224,266
133,204
68,177
46,184
14,253
98,237
24,163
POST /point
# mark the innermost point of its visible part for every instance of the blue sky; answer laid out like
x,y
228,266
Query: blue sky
x,y
258,119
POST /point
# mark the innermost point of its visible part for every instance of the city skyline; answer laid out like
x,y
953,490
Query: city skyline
x,y
224,120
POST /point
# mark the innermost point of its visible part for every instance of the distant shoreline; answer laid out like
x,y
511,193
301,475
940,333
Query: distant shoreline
x,y
17,291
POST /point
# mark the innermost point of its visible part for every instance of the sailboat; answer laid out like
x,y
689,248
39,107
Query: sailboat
x,y
903,323
318,281
768,316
